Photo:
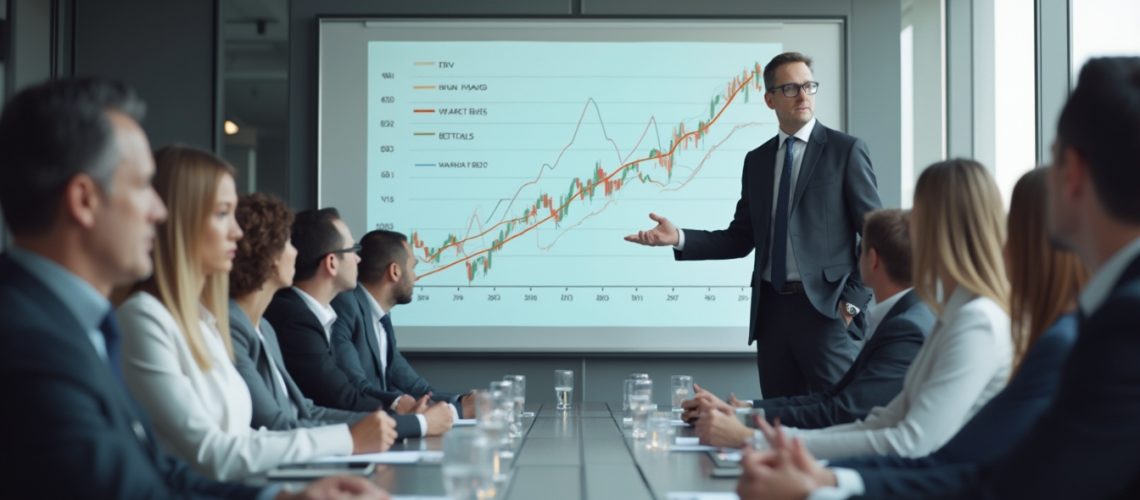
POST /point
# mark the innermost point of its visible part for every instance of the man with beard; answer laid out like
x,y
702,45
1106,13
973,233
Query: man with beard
x,y
363,337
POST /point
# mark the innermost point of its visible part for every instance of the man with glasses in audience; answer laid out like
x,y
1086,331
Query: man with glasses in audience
x,y
303,317
803,198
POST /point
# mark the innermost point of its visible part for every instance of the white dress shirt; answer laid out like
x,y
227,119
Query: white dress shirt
x,y
877,312
203,417
963,363
382,339
325,314
802,136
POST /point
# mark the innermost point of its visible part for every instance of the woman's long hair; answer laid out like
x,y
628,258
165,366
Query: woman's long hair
x,y
187,180
1044,280
958,226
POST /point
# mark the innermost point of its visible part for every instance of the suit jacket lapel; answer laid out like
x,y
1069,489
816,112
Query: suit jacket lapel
x,y
370,333
274,350
811,158
905,302
762,196
71,331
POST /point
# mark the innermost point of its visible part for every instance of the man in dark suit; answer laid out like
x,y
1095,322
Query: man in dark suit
x,y
363,336
303,318
898,326
76,194
1084,446
803,197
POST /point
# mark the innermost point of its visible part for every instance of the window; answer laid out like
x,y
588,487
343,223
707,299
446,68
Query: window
x,y
1103,28
922,48
1015,94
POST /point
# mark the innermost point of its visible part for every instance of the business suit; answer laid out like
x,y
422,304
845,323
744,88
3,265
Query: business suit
x,y
77,433
1084,446
997,427
274,408
874,379
309,358
358,351
802,344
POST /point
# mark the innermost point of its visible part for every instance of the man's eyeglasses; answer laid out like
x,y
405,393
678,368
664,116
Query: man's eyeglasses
x,y
793,89
354,249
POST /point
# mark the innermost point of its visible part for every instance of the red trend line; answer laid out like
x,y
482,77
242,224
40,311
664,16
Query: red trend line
x,y
672,149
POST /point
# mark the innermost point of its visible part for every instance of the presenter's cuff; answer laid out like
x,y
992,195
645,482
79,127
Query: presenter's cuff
x,y
454,412
423,424
680,246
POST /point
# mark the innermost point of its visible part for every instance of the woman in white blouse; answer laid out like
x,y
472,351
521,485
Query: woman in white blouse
x,y
957,231
177,355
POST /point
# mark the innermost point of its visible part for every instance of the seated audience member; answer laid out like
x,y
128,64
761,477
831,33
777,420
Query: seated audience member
x,y
76,195
966,358
897,326
303,318
263,265
363,337
1044,282
177,354
1084,445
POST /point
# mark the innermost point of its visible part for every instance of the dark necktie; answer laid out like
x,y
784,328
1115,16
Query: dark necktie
x,y
389,332
780,233
112,337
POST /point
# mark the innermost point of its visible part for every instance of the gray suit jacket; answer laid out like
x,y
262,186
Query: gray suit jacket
x,y
835,190
273,408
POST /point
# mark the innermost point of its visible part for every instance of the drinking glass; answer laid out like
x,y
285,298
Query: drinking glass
x,y
682,389
467,460
641,405
563,388
660,431
627,389
505,393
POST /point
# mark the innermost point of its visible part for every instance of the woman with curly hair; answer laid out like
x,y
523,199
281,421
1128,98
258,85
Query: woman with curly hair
x,y
264,264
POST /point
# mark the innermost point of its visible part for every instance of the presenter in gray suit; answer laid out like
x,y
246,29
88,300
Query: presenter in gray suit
x,y
264,264
802,212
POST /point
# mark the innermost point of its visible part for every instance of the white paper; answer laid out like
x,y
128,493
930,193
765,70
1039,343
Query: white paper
x,y
688,440
730,456
388,457
701,495
692,447
463,422
678,423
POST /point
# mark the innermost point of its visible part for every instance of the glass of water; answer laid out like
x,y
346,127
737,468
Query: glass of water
x,y
660,431
504,390
627,389
564,388
467,465
641,405
681,387
493,420
519,393
520,390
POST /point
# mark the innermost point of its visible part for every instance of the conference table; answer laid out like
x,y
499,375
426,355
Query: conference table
x,y
584,452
